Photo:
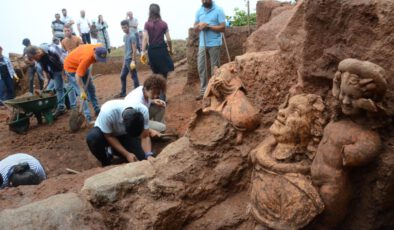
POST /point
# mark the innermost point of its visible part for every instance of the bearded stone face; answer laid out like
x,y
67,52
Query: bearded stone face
x,y
293,122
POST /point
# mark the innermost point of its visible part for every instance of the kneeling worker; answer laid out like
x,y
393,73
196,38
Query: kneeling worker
x,y
119,126
148,95
20,169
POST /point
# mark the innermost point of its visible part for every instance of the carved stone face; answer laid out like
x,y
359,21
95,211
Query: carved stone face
x,y
349,93
293,122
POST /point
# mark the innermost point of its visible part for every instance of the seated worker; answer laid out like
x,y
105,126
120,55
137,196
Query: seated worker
x,y
148,95
20,169
117,130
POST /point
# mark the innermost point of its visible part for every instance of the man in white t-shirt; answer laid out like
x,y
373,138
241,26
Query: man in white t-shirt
x,y
84,28
67,20
148,95
119,126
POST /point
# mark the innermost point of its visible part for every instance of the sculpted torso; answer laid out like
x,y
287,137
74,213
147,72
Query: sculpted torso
x,y
344,144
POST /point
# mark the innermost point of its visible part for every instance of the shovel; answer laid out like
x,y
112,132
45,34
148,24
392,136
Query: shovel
x,y
77,118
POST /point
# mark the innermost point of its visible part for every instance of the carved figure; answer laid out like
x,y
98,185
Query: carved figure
x,y
348,142
226,94
282,195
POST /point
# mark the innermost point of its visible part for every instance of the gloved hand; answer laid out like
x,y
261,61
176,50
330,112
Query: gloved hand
x,y
84,96
132,65
144,58
16,78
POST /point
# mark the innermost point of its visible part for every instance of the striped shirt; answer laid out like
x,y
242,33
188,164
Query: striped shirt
x,y
9,162
57,27
9,66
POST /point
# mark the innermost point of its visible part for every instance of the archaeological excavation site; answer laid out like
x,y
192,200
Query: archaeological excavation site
x,y
294,131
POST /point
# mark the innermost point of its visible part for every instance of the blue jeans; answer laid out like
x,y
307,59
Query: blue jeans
x,y
90,90
59,87
31,72
123,76
6,88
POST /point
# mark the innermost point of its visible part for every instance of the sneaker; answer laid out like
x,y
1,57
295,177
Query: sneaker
x,y
199,97
58,112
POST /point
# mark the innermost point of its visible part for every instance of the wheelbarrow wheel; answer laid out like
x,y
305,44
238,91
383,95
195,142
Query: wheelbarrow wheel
x,y
20,125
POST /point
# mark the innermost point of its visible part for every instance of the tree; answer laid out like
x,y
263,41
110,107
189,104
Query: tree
x,y
240,18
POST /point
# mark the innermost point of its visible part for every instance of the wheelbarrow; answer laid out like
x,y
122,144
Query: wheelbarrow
x,y
25,107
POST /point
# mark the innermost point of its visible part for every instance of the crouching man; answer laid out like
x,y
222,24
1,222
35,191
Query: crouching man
x,y
20,169
118,129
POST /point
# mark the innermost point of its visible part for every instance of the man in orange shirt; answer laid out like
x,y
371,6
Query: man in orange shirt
x,y
70,41
77,66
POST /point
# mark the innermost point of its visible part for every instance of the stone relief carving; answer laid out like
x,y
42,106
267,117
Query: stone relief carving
x,y
349,140
282,194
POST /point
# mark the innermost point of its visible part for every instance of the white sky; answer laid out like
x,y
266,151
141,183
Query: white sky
x,y
21,19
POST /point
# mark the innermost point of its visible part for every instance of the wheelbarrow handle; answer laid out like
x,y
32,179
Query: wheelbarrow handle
x,y
65,94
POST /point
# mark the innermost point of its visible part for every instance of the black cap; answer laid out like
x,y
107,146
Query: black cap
x,y
133,121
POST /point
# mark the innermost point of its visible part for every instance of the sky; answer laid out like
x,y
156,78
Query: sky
x,y
21,19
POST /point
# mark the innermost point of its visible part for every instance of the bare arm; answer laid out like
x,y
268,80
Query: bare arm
x,y
114,142
169,43
70,23
219,28
363,150
134,51
79,28
145,141
145,40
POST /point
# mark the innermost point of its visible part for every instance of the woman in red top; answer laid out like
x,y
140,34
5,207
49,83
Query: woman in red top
x,y
153,39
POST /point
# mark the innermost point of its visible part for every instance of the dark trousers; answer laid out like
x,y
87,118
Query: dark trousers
x,y
123,77
97,144
86,38
7,91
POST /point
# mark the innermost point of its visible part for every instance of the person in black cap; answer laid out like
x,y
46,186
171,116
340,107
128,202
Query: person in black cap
x,y
118,129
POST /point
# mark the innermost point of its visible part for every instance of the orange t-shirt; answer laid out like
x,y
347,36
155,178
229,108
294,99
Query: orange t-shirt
x,y
79,60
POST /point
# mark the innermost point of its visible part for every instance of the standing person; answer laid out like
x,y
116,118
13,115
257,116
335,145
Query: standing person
x,y
20,169
210,23
57,27
154,31
117,131
32,69
70,41
93,33
7,74
133,25
67,20
130,53
51,59
102,36
77,66
148,95
83,25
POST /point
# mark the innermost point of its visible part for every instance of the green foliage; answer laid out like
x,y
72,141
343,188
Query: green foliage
x,y
240,18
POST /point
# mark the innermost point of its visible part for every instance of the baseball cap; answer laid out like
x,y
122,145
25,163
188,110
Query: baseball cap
x,y
101,54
